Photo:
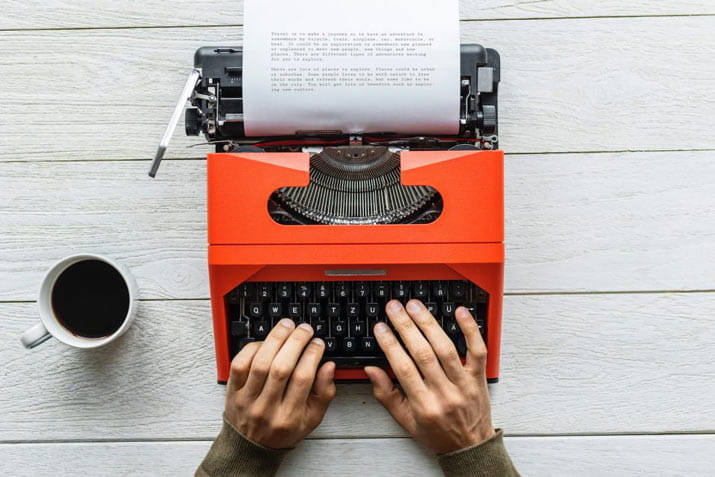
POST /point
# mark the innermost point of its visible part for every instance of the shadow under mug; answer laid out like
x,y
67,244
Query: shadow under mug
x,y
50,324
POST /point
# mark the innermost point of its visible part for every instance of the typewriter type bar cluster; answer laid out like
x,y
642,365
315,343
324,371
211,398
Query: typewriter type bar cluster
x,y
343,313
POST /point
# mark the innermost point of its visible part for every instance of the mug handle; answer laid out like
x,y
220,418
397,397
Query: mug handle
x,y
35,336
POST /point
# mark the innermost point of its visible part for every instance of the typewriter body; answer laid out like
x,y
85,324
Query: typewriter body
x,y
326,227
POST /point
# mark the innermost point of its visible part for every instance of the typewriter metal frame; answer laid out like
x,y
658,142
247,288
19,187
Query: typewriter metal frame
x,y
247,245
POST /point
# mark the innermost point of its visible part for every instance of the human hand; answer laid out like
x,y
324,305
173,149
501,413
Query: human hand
x,y
275,396
445,405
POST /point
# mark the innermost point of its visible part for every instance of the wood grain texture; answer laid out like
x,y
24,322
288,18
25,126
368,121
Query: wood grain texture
x,y
672,455
576,85
570,364
35,14
623,222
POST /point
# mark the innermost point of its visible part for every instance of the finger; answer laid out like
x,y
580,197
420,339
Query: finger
x,y
301,382
420,349
265,355
476,349
441,344
323,391
390,397
401,364
241,365
284,363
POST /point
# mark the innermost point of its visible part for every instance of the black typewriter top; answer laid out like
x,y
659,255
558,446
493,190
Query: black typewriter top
x,y
214,90
217,108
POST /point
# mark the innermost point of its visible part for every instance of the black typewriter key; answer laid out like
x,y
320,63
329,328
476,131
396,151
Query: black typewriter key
x,y
295,310
349,345
303,290
261,329
339,328
400,290
255,310
285,290
331,344
275,310
381,291
323,290
447,309
232,297
368,344
239,329
333,310
372,310
459,290
246,290
358,328
432,308
420,290
314,310
342,290
362,290
264,291
439,290
353,310
452,328
321,328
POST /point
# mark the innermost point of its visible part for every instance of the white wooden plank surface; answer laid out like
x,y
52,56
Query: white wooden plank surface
x,y
36,14
567,85
640,221
688,455
623,363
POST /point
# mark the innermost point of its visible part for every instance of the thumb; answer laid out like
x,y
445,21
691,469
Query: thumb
x,y
323,388
390,397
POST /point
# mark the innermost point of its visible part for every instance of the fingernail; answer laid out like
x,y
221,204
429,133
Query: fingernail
x,y
317,341
395,305
463,312
287,323
332,371
381,327
305,326
413,306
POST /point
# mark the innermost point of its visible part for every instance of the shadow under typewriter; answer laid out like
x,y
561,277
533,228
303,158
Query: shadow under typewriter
x,y
355,186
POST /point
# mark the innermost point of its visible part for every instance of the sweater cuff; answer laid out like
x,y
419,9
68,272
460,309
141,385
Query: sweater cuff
x,y
232,455
486,459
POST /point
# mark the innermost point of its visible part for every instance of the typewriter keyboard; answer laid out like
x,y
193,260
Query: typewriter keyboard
x,y
343,313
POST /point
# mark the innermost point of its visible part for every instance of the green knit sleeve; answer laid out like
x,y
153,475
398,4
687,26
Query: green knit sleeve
x,y
487,459
234,455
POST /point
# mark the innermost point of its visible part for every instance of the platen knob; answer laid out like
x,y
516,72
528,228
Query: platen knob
x,y
192,123
489,118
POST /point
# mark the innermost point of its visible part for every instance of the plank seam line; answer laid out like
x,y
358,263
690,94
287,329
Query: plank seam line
x,y
542,293
210,439
465,20
201,158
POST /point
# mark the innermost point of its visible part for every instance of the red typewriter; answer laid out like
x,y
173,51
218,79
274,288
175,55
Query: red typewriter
x,y
327,229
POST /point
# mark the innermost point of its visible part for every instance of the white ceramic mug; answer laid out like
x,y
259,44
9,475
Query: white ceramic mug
x,y
49,324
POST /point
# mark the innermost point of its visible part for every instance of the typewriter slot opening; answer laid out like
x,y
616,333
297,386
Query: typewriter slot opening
x,y
357,185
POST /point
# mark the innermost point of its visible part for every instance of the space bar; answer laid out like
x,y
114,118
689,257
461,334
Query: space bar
x,y
356,361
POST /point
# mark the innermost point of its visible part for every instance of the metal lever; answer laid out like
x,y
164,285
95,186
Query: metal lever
x,y
191,81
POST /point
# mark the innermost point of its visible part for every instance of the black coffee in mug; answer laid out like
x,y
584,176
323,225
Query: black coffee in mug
x,y
90,298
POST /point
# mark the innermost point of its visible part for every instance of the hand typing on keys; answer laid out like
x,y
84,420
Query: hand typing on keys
x,y
445,405
276,395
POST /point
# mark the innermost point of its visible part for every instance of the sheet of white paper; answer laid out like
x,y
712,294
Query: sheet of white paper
x,y
349,66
